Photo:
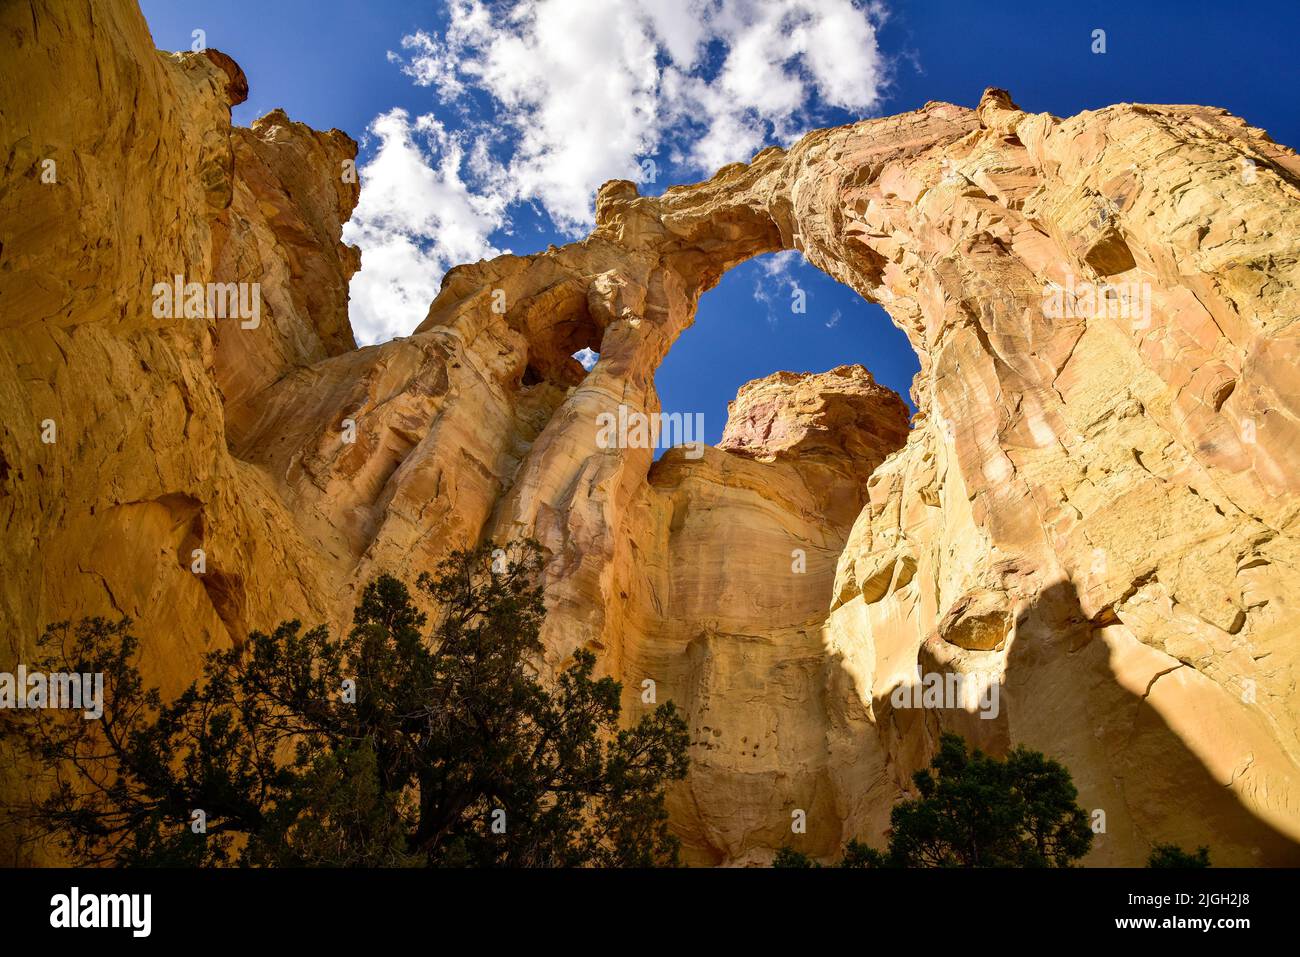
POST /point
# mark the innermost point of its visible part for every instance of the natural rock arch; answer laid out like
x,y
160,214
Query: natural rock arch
x,y
1102,507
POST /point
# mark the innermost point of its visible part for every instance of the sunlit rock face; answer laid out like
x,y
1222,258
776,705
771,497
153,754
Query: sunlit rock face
x,y
730,568
1096,503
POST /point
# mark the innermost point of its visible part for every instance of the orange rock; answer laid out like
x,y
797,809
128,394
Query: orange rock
x,y
1098,505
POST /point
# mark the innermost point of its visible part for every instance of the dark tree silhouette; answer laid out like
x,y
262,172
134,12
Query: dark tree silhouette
x,y
1171,855
387,747
973,810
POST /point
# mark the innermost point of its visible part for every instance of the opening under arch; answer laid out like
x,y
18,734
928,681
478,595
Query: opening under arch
x,y
776,312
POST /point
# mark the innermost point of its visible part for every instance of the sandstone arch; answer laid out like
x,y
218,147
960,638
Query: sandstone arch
x,y
1103,508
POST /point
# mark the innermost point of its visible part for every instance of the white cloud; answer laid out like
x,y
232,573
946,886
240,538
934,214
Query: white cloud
x,y
554,97
583,90
782,264
415,219
777,288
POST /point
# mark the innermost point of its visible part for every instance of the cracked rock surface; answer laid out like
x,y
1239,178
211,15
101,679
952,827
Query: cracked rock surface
x,y
1097,501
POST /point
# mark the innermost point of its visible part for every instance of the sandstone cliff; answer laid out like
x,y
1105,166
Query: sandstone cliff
x,y
1097,502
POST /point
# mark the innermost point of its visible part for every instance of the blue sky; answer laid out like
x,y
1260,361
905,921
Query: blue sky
x,y
486,128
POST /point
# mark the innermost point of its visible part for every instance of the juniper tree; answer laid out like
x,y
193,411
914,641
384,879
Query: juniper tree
x,y
973,810
388,746
1171,855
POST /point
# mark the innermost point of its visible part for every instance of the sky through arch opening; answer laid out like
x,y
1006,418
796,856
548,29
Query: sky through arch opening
x,y
776,312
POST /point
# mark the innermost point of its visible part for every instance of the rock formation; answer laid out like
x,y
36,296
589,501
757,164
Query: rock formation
x,y
1097,503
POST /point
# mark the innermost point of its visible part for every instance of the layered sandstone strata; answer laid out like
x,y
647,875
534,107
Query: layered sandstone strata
x,y
733,559
1096,505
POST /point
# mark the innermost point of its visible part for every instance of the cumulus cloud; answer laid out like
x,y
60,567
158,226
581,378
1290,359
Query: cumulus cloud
x,y
551,98
416,218
583,90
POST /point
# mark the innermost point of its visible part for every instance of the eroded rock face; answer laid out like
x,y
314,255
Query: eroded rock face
x,y
1096,504
732,562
